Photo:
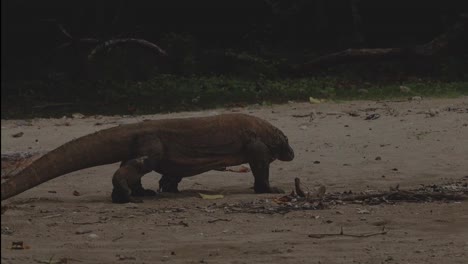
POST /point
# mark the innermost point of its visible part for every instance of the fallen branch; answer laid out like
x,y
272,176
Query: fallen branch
x,y
426,50
50,105
107,45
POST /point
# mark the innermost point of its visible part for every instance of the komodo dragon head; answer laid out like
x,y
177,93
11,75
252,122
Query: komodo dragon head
x,y
280,147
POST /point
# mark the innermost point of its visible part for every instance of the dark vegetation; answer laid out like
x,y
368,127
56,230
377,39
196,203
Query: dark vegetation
x,y
146,56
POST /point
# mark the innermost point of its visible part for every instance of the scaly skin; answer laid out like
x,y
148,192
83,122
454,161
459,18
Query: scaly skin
x,y
175,148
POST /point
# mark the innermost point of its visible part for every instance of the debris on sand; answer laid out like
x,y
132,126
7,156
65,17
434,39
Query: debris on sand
x,y
7,231
318,200
18,245
372,116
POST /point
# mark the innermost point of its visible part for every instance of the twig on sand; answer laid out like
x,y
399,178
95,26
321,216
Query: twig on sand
x,y
87,223
299,191
117,238
322,235
219,219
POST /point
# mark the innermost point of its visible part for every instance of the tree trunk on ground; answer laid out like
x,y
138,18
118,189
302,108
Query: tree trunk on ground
x,y
430,49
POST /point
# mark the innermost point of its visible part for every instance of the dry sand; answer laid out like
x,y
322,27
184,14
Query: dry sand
x,y
418,142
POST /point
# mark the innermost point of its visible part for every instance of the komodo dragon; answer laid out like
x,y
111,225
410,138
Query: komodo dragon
x,y
175,148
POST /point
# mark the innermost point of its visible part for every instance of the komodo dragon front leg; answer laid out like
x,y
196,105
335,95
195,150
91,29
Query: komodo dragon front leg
x,y
127,181
259,158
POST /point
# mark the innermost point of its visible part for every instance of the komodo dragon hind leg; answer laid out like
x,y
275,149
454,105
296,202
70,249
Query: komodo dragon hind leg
x,y
169,183
127,181
259,159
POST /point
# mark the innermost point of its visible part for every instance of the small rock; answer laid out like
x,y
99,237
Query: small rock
x,y
23,123
363,91
415,98
378,158
432,112
405,89
7,231
17,135
122,257
82,232
363,211
93,236
303,127
372,116
314,100
78,115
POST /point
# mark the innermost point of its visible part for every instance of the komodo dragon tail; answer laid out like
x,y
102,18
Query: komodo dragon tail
x,y
103,147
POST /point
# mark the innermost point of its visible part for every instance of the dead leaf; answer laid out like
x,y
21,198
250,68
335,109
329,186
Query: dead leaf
x,y
211,196
283,199
314,100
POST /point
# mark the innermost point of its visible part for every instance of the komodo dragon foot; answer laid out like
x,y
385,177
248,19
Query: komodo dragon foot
x,y
169,184
127,181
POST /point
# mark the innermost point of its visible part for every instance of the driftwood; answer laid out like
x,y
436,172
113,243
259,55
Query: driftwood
x,y
53,105
107,45
426,50
100,46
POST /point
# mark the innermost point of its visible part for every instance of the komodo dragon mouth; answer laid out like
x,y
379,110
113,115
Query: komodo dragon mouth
x,y
175,148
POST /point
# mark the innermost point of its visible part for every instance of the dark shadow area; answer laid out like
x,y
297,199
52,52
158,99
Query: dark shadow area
x,y
135,57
